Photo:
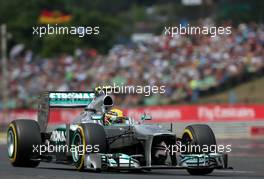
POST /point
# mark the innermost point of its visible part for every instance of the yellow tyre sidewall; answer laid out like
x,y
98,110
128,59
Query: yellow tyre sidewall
x,y
81,164
188,132
14,156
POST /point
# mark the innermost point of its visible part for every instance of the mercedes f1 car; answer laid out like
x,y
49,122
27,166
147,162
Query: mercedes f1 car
x,y
89,143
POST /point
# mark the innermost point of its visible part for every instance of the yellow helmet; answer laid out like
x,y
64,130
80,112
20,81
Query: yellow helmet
x,y
114,112
114,116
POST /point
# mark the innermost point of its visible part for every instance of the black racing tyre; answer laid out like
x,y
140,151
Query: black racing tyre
x,y
199,135
22,136
88,138
204,171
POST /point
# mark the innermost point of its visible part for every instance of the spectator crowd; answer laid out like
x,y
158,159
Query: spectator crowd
x,y
185,65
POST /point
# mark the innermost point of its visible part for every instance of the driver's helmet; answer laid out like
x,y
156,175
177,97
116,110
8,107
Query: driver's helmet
x,y
114,116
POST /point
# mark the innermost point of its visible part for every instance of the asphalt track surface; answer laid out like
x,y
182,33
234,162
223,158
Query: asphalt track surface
x,y
247,158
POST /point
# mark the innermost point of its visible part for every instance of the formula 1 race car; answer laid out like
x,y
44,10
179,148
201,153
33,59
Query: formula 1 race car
x,y
91,142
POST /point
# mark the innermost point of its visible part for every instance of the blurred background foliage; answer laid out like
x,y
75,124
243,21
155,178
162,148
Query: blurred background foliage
x,y
117,19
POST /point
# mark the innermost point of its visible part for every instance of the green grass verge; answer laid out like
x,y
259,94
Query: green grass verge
x,y
250,92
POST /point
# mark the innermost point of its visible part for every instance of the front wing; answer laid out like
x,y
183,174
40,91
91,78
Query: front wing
x,y
99,161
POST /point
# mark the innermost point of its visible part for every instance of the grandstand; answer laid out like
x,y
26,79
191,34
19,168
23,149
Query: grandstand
x,y
190,67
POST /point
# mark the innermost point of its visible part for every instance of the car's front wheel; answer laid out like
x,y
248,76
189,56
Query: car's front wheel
x,y
199,135
88,138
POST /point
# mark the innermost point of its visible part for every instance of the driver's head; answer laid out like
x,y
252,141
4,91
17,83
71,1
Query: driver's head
x,y
114,116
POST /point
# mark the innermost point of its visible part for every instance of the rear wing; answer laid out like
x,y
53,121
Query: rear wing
x,y
61,99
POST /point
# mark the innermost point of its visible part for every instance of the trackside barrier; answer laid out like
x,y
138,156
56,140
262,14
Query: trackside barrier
x,y
227,121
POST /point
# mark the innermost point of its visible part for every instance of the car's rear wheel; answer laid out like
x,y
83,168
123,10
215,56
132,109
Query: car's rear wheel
x,y
203,136
22,137
89,136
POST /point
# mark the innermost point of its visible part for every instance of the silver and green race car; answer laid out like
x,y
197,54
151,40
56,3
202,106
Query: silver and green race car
x,y
88,143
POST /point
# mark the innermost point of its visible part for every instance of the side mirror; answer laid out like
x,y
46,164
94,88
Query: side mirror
x,y
146,117
97,117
